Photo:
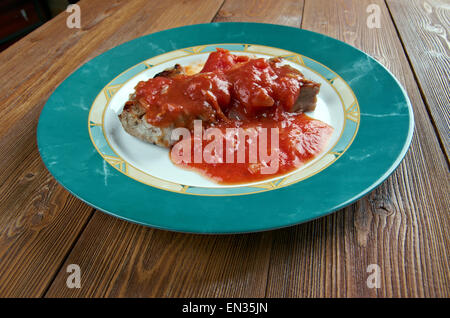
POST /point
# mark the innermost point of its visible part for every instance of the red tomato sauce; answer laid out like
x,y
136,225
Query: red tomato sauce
x,y
179,101
237,92
301,139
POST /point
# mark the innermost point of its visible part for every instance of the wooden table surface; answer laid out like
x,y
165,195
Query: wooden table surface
x,y
403,226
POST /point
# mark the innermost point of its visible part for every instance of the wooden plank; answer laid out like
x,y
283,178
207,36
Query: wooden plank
x,y
122,259
402,226
263,11
40,220
423,27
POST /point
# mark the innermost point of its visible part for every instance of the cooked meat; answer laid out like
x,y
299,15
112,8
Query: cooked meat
x,y
307,100
135,123
134,119
242,86
173,72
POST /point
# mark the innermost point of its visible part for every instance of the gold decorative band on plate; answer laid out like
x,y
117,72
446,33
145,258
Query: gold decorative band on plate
x,y
348,100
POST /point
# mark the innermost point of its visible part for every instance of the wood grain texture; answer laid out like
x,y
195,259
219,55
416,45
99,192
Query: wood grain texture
x,y
40,222
123,259
402,226
39,219
424,26
264,11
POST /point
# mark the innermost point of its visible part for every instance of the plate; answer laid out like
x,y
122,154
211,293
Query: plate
x,y
84,147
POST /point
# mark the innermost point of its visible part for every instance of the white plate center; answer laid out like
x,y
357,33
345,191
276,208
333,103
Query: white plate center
x,y
155,160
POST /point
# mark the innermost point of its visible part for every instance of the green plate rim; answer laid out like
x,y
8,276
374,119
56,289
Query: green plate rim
x,y
255,212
